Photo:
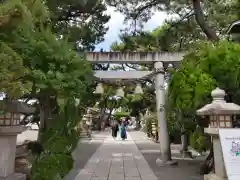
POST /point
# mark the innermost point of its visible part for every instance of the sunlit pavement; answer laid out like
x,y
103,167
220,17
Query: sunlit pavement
x,y
116,160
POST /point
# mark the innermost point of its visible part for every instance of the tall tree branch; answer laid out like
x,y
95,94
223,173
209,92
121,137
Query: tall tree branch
x,y
147,6
199,16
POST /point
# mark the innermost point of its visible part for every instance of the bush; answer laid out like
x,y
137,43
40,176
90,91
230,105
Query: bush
x,y
58,143
149,120
202,70
173,128
199,141
119,115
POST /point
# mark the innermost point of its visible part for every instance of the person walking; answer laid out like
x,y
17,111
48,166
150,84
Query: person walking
x,y
115,129
123,132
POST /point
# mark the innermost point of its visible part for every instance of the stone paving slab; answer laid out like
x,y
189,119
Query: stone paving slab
x,y
117,160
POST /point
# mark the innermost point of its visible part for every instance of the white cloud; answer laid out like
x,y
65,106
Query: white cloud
x,y
115,24
156,21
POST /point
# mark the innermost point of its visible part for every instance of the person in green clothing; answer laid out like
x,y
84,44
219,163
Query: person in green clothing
x,y
123,132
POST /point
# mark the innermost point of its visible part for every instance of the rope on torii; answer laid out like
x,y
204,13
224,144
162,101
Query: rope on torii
x,y
133,58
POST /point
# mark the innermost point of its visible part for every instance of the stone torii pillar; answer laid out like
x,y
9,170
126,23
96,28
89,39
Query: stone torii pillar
x,y
165,150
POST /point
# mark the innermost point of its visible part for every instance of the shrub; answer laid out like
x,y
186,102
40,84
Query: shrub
x,y
58,143
119,115
199,141
149,120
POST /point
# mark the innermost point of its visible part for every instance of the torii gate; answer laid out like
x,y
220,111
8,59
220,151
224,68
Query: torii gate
x,y
160,60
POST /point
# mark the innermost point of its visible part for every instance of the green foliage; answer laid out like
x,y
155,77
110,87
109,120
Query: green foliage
x,y
52,166
199,141
119,115
34,58
189,87
139,103
12,68
185,27
149,120
54,66
200,72
82,22
11,71
179,33
144,41
173,125
51,63
59,142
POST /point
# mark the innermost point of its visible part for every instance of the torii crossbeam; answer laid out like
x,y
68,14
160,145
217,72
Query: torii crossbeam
x,y
122,75
134,57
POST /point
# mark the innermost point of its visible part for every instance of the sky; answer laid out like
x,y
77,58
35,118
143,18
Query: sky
x,y
115,24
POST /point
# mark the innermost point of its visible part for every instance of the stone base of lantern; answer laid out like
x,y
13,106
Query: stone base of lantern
x,y
220,171
213,177
16,176
8,137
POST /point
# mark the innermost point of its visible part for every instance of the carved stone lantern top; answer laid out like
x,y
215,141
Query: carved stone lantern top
x,y
219,106
218,94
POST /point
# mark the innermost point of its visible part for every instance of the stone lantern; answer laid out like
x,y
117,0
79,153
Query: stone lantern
x,y
221,115
9,129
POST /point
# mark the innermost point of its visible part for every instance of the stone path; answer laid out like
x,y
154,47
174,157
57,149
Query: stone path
x,y
84,151
117,160
187,169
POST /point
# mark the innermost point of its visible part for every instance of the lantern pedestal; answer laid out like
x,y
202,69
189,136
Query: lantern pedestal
x,y
16,176
8,138
220,172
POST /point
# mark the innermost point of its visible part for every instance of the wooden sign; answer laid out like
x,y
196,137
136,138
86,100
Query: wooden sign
x,y
230,141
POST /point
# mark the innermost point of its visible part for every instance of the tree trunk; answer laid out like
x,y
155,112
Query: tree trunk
x,y
211,34
45,114
199,16
184,140
208,165
109,116
138,121
99,122
41,125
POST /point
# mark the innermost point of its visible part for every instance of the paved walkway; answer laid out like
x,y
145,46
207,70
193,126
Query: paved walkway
x,y
187,169
84,151
117,160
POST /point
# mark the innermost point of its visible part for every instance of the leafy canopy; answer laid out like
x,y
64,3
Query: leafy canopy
x,y
209,66
82,22
51,63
